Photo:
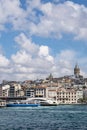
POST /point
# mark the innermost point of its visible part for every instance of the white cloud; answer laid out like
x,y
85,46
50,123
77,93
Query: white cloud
x,y
13,14
64,63
51,20
27,44
21,57
27,65
33,3
67,17
43,51
50,58
67,54
31,59
24,65
4,62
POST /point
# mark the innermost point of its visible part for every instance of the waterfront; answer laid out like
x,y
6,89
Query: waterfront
x,y
62,117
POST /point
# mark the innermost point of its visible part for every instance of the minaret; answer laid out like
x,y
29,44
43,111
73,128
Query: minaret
x,y
76,71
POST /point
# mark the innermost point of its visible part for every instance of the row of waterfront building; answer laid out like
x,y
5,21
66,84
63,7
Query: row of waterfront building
x,y
60,94
64,90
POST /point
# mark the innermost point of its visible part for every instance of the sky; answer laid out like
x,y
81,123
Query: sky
x,y
39,37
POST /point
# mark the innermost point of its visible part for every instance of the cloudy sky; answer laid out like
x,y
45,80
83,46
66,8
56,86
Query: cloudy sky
x,y
39,37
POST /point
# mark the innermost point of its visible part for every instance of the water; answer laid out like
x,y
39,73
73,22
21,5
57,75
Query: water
x,y
62,117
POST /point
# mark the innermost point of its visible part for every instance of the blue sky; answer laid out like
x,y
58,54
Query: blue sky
x,y
42,37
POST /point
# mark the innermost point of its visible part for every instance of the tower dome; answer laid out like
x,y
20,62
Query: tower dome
x,y
76,71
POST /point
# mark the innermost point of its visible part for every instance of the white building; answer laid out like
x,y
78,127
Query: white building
x,y
36,91
51,93
13,90
68,96
79,94
5,90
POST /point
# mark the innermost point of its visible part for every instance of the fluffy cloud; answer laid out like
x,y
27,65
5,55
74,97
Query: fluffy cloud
x,y
5,69
31,60
4,62
45,19
64,62
62,18
24,65
21,57
40,65
13,14
27,44
43,51
67,54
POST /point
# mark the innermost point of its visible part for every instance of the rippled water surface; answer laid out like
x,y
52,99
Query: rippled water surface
x,y
62,117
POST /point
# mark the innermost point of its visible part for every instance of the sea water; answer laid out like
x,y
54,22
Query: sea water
x,y
61,117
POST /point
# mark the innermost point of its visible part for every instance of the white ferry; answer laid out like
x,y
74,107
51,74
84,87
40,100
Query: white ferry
x,y
33,102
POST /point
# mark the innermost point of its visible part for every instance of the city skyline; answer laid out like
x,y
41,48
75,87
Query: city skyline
x,y
39,37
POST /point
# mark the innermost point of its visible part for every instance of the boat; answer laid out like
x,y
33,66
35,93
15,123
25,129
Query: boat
x,y
2,103
44,101
22,104
33,102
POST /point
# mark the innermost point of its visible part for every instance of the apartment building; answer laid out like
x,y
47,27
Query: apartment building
x,y
12,90
30,92
68,96
15,90
36,91
51,93
5,90
79,94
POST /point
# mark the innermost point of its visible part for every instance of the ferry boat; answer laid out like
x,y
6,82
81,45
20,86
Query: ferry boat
x,y
33,102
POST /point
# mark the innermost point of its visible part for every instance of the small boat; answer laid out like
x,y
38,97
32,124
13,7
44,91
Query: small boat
x,y
2,103
2,106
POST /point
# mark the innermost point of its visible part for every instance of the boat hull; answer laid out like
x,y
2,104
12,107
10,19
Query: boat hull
x,y
23,105
48,104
